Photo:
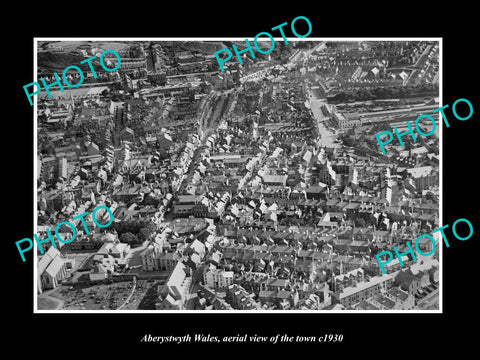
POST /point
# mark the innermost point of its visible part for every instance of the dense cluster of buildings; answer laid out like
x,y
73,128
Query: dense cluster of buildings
x,y
362,65
223,183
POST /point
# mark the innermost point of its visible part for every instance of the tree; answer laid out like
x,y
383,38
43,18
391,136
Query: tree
x,y
348,141
127,226
148,229
371,220
359,222
128,238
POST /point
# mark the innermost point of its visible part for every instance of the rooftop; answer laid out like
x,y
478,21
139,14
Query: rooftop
x,y
376,280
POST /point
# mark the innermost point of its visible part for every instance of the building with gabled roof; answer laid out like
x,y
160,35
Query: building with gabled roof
x,y
51,270
98,273
358,291
403,300
407,281
171,295
218,278
239,298
116,250
196,247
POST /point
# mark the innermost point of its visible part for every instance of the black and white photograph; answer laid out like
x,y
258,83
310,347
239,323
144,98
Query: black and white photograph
x,y
262,187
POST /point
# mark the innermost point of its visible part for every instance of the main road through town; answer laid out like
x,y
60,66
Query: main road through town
x,y
327,136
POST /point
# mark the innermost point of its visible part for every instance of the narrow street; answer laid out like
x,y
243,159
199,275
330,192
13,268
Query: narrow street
x,y
327,137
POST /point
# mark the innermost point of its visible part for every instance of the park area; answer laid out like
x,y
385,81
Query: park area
x,y
126,295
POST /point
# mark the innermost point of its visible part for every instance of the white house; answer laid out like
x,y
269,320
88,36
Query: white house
x,y
218,278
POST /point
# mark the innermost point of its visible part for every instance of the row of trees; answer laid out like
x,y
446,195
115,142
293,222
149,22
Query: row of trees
x,y
385,93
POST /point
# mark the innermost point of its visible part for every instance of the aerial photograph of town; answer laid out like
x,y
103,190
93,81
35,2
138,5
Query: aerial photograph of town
x,y
258,188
